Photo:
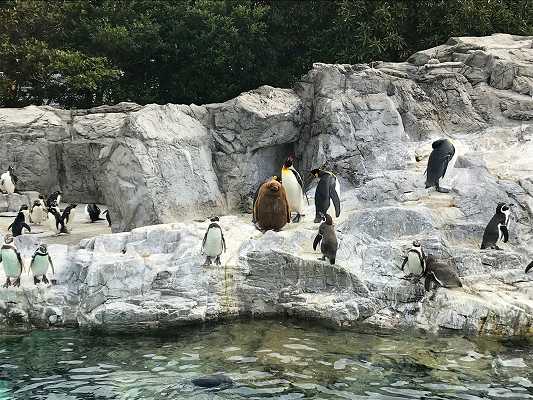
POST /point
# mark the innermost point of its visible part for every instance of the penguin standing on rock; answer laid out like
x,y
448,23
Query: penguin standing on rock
x,y
8,181
442,154
18,224
294,186
107,217
271,209
12,261
327,191
497,228
440,274
214,243
40,262
415,260
327,239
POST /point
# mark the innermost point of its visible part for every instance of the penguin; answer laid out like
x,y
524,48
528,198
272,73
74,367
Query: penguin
x,y
214,243
440,274
56,221
294,186
24,209
69,213
328,188
12,261
443,152
271,209
497,228
18,224
327,239
107,217
529,267
415,260
211,381
275,177
54,197
93,212
37,212
40,262
8,180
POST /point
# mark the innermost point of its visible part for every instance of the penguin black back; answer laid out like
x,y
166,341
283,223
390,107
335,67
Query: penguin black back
x,y
107,217
529,267
443,152
94,212
18,224
325,192
440,274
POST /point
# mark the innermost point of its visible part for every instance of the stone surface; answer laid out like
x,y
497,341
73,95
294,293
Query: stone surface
x,y
373,125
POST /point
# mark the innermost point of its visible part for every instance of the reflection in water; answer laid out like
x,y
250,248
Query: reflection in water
x,y
265,359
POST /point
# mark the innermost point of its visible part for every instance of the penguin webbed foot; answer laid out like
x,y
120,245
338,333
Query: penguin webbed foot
x,y
296,219
7,284
217,261
17,282
45,280
442,190
54,282
207,262
36,280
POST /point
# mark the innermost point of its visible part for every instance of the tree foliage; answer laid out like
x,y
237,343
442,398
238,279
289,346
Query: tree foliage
x,y
81,53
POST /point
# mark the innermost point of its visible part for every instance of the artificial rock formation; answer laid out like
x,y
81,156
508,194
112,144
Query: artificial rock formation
x,y
371,124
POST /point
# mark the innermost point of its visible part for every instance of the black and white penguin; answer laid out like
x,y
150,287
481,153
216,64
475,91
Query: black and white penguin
x,y
18,224
327,192
213,244
37,212
440,157
327,239
497,228
8,180
54,197
529,267
440,274
92,211
40,262
294,187
56,221
68,216
107,217
12,261
24,209
415,260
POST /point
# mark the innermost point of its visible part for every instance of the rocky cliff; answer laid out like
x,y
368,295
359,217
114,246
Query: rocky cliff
x,y
371,124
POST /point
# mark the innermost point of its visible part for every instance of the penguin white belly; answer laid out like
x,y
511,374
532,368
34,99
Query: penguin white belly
x,y
213,243
37,216
51,222
26,215
11,263
71,218
40,265
331,209
295,195
7,183
413,264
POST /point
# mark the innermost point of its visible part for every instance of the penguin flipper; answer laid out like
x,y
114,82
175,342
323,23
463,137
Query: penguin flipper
x,y
404,262
317,240
51,264
205,238
334,196
505,232
223,240
19,258
526,271
427,282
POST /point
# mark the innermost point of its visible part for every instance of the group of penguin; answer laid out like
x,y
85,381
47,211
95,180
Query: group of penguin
x,y
43,210
276,199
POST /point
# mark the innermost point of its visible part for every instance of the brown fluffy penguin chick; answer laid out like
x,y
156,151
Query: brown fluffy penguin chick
x,y
271,208
327,239
440,274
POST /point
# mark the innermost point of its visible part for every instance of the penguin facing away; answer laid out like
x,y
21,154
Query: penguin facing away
x,y
18,224
12,262
497,228
415,260
271,209
327,192
40,262
107,217
214,243
442,154
440,275
37,213
93,212
8,180
328,240
294,186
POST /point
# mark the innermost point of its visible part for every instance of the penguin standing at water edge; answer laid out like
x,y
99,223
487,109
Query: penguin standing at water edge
x,y
294,186
40,262
415,260
271,209
440,157
440,274
327,192
12,262
18,224
8,181
497,228
214,243
327,239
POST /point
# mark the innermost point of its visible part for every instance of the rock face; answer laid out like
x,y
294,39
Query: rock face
x,y
371,124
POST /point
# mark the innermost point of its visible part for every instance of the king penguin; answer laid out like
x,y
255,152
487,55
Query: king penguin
x,y
40,262
415,260
10,258
37,213
214,243
327,192
440,274
294,186
327,239
271,209
497,228
8,181
442,154
18,224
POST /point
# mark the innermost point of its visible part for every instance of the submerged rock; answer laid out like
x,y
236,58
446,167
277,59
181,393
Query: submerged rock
x,y
211,381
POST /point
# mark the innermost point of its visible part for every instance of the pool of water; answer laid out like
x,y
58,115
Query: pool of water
x,y
265,359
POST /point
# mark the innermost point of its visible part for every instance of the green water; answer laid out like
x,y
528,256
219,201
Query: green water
x,y
265,359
